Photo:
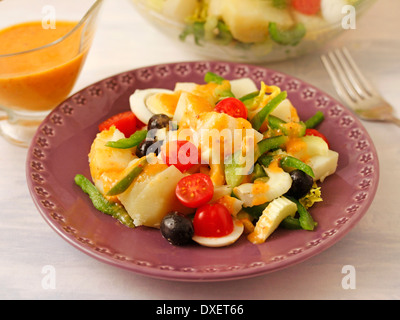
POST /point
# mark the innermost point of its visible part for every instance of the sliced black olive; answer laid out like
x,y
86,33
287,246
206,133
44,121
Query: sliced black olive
x,y
301,184
177,228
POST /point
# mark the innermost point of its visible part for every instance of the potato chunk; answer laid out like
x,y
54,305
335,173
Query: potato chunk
x,y
248,21
150,198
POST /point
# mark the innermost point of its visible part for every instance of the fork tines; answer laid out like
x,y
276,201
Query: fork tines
x,y
347,78
355,90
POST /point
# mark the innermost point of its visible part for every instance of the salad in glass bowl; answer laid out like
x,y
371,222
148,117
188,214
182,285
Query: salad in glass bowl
x,y
251,30
210,162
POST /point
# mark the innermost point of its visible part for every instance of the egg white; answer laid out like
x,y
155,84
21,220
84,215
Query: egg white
x,y
224,241
139,105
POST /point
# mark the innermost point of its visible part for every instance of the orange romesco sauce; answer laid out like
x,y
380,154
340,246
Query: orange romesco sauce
x,y
274,166
38,80
208,91
298,148
228,202
258,190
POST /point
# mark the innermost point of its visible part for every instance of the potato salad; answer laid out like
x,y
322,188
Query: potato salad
x,y
248,23
210,162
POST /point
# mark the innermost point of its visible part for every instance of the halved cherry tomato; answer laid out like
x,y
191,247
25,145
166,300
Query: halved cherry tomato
x,y
180,153
314,132
212,220
124,122
308,7
195,190
140,124
233,107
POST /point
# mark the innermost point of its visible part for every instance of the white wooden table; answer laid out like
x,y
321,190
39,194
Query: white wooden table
x,y
125,41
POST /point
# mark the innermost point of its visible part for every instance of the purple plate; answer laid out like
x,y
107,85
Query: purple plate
x,y
60,150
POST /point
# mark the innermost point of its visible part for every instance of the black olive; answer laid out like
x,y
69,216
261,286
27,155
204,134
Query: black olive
x,y
177,228
143,148
158,121
301,184
155,147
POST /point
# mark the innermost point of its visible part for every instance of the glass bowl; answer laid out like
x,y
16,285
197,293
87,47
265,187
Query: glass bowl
x,y
256,31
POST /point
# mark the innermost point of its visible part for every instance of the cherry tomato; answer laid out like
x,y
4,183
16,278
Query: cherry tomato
x,y
308,7
181,153
139,124
212,220
195,190
233,107
124,122
314,132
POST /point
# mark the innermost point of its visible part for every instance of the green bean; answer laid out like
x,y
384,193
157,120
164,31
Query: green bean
x,y
280,4
260,117
306,220
197,29
290,223
126,181
270,144
258,172
224,35
248,99
236,163
126,143
265,160
289,162
249,96
315,120
101,203
211,77
224,93
256,211
297,129
275,122
290,36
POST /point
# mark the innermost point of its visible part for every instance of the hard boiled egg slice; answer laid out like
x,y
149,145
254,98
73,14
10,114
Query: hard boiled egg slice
x,y
224,241
144,103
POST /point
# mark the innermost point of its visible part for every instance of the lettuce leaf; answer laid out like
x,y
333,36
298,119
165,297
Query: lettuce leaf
x,y
313,196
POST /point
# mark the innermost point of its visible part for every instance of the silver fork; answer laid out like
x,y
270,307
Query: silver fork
x,y
355,90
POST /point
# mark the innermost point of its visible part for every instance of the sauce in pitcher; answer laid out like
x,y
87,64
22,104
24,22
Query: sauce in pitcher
x,y
39,79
